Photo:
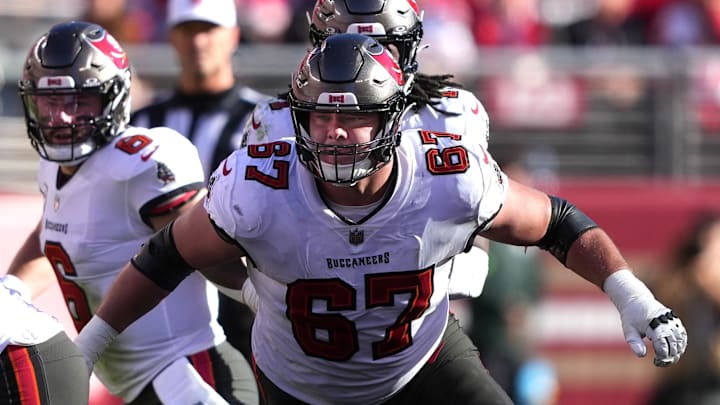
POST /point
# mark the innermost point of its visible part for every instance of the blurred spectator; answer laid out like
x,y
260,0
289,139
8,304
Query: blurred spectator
x,y
507,23
501,315
692,289
528,94
448,34
681,23
614,23
129,21
265,20
619,87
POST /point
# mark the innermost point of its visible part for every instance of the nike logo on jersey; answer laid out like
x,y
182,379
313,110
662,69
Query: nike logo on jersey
x,y
475,110
226,170
485,156
255,124
146,156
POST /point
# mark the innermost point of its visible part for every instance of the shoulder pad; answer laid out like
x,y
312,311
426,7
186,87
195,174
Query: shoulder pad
x,y
139,149
268,122
243,186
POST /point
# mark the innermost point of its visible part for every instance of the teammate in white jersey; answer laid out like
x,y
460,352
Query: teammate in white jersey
x,y
107,188
348,226
435,103
39,363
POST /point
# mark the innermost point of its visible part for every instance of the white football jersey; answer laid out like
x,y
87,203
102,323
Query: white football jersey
x,y
97,221
457,112
350,312
21,323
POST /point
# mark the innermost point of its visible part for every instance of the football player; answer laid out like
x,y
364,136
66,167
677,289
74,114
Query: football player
x,y
435,103
348,225
39,363
107,188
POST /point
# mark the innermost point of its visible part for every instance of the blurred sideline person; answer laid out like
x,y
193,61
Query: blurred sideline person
x,y
348,225
693,288
500,326
39,363
436,103
107,187
209,107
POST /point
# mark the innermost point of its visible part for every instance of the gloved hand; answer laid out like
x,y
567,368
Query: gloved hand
x,y
643,316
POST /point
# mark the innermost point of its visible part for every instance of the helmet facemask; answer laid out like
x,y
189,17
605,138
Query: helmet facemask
x,y
347,75
76,92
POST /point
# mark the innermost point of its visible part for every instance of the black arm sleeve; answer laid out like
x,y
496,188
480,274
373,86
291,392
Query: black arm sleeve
x,y
567,223
159,260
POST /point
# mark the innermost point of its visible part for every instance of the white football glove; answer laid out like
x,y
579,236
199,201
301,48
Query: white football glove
x,y
643,316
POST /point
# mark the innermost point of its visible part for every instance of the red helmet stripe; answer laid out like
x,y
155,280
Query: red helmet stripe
x,y
388,62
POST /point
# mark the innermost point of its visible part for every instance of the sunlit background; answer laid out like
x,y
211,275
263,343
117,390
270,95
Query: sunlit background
x,y
613,104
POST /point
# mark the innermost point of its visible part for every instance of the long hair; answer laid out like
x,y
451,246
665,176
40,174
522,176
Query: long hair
x,y
428,89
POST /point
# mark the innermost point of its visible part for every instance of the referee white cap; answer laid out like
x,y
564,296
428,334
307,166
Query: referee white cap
x,y
218,12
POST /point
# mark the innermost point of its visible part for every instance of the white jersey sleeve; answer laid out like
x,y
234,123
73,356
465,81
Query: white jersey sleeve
x,y
457,112
21,323
156,161
268,122
311,264
98,219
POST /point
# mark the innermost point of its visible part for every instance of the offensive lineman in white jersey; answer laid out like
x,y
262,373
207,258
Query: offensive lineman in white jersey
x,y
39,363
348,226
107,188
435,103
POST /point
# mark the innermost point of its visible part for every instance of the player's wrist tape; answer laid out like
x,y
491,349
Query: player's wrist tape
x,y
17,285
246,295
623,287
94,338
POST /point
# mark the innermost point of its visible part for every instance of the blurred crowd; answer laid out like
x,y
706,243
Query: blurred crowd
x,y
468,22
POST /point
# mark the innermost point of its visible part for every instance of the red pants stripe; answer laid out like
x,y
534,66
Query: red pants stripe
x,y
25,375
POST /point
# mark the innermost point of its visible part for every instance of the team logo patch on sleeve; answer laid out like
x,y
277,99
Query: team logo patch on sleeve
x,y
164,174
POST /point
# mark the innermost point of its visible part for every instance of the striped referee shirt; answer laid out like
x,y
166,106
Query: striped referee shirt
x,y
213,122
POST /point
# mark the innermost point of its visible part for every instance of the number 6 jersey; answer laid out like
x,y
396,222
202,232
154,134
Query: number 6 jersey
x,y
94,223
350,311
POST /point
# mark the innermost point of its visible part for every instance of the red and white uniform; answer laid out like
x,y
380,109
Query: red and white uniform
x,y
21,323
349,313
93,224
464,115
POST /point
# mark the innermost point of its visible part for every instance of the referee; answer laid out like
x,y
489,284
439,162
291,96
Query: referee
x,y
208,106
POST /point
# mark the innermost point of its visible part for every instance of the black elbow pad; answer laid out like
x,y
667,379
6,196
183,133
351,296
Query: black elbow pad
x,y
159,260
567,223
